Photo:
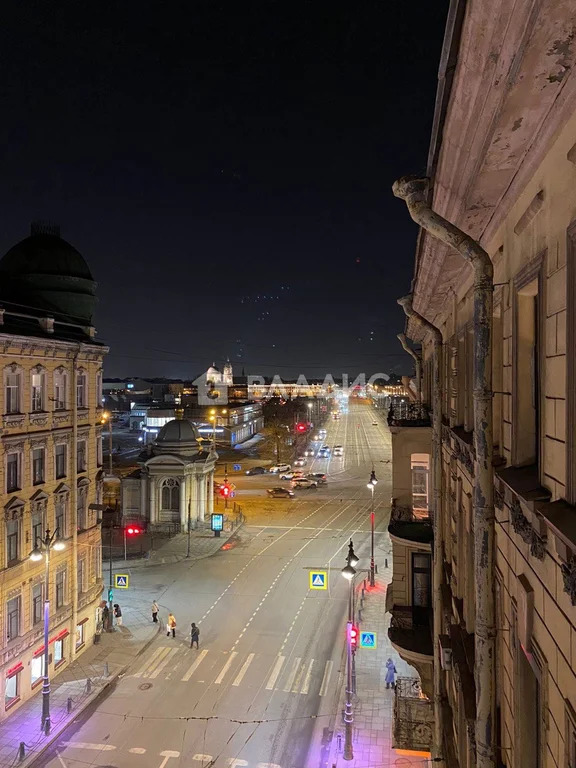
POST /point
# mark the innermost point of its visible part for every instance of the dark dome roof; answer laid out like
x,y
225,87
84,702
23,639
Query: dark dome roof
x,y
179,437
46,272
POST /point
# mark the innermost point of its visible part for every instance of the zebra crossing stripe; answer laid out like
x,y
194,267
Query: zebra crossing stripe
x,y
169,656
201,656
148,662
275,672
242,672
298,678
306,685
292,675
226,667
150,668
326,678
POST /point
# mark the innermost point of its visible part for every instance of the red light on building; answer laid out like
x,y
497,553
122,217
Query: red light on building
x,y
133,530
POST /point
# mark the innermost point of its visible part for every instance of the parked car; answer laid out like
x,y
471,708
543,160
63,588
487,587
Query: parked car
x,y
292,474
301,462
318,477
256,471
280,493
280,468
304,483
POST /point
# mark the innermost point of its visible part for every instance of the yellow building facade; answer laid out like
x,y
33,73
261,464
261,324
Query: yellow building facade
x,y
50,462
502,169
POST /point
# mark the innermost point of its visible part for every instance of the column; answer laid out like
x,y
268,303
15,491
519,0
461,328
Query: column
x,y
211,493
201,498
152,499
183,504
143,489
193,491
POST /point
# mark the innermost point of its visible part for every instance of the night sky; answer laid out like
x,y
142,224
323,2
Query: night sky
x,y
225,168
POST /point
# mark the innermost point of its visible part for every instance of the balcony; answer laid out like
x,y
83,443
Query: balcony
x,y
413,716
407,527
408,415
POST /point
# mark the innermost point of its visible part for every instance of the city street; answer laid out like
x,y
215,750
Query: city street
x,y
265,682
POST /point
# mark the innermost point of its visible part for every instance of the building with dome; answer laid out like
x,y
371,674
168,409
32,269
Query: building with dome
x,y
216,377
175,481
50,458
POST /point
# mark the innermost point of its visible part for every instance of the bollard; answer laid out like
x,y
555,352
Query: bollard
x,y
386,563
69,704
21,751
106,670
88,685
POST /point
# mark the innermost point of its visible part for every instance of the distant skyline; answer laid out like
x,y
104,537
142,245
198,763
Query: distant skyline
x,y
225,170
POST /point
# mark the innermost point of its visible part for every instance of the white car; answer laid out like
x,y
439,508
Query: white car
x,y
281,468
338,452
304,483
292,475
301,462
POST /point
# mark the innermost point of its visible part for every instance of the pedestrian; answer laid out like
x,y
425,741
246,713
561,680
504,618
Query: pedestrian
x,y
171,625
118,614
390,672
194,635
106,618
155,610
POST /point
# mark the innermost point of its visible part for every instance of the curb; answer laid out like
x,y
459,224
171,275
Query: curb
x,y
56,733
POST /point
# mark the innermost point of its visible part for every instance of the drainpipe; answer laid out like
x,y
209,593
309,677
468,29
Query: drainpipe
x,y
437,576
74,504
414,192
417,364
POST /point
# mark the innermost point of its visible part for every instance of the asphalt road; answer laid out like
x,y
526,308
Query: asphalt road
x,y
263,686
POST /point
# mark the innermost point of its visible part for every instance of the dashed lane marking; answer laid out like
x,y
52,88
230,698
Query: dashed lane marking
x,y
243,670
225,668
201,656
275,673
137,750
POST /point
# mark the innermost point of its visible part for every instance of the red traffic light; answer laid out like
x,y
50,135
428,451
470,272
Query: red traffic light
x,y
225,490
353,636
301,427
133,530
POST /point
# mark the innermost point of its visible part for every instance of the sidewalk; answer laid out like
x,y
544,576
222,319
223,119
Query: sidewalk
x,y
373,704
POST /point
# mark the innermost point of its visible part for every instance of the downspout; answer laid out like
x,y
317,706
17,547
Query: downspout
x,y
414,192
74,503
417,363
437,575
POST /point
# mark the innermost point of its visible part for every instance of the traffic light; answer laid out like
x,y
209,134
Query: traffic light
x,y
353,637
110,595
225,490
301,427
133,530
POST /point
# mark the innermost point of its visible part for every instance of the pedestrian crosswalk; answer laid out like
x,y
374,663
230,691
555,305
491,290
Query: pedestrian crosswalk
x,y
287,674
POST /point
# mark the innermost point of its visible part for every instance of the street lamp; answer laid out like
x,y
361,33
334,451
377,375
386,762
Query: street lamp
x,y
107,417
372,485
42,549
349,572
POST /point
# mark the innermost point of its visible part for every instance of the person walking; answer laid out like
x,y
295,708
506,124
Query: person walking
x,y
194,635
118,614
390,679
171,625
155,610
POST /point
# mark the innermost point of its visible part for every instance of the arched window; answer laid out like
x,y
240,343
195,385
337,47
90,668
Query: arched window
x,y
171,494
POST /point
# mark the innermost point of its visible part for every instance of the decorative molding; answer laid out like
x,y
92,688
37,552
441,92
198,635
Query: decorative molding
x,y
14,445
569,576
533,208
523,527
39,442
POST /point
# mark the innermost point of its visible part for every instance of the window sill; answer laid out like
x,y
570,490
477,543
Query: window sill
x,y
59,663
36,683
38,482
11,703
79,647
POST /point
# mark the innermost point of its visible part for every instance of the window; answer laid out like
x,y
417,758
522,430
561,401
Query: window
x,y
171,495
81,575
80,635
527,387
58,652
37,603
81,498
81,390
13,618
420,465
12,472
81,456
60,394
37,528
60,460
99,389
38,455
36,669
12,393
530,711
60,520
421,588
12,541
99,450
570,735
37,391
97,564
60,588
12,689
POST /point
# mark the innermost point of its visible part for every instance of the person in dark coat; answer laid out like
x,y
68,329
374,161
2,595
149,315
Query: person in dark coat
x,y
118,614
194,635
390,679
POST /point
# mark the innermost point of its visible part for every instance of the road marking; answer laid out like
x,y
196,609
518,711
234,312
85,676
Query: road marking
x,y
243,671
137,750
306,685
225,669
150,668
292,675
170,655
202,758
268,765
150,661
88,745
233,762
298,678
194,667
275,672
326,678
167,754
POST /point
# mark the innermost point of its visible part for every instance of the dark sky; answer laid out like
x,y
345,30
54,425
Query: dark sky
x,y
225,168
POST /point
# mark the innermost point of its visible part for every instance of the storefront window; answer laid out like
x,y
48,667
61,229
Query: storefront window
x,y
58,652
36,669
79,635
12,690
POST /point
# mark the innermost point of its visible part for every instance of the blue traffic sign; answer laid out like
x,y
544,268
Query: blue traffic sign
x,y
318,580
237,467
121,580
368,640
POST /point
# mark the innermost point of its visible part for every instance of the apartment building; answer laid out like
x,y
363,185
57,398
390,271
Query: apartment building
x,y
51,458
485,608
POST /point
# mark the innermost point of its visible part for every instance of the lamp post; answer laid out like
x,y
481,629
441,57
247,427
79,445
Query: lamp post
x,y
214,419
107,417
372,485
349,572
42,549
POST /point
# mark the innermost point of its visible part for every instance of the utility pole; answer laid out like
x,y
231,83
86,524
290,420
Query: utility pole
x,y
372,485
349,572
188,530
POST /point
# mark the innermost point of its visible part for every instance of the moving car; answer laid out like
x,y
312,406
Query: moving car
x,y
374,423
280,493
280,468
323,454
256,471
301,462
321,434
338,450
318,477
292,474
309,452
304,483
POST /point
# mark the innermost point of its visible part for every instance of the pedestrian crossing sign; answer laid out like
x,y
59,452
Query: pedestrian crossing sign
x,y
121,580
318,580
368,640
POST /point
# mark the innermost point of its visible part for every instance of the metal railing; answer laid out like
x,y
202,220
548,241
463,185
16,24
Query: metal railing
x,y
413,716
408,413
